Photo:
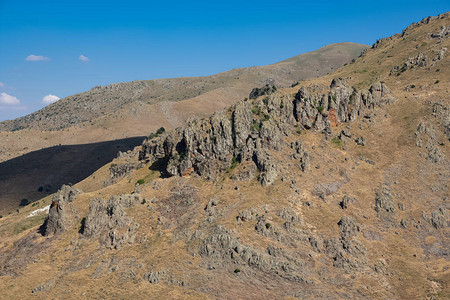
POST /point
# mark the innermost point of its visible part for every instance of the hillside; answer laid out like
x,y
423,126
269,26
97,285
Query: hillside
x,y
137,108
334,188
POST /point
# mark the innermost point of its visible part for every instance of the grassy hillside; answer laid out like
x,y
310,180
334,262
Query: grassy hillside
x,y
329,191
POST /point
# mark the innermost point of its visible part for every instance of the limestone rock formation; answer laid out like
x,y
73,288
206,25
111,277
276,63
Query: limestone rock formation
x,y
384,203
62,212
250,130
107,220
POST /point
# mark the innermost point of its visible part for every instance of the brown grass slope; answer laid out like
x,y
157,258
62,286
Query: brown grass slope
x,y
228,239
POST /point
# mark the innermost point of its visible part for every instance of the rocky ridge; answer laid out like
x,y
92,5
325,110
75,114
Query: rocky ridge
x,y
250,130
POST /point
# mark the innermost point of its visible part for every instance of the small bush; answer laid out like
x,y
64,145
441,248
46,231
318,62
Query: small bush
x,y
237,270
265,117
140,181
268,225
320,108
256,110
24,202
161,130
143,201
256,126
436,82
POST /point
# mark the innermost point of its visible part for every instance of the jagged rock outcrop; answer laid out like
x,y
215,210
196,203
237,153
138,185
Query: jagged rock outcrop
x,y
250,130
428,137
420,60
221,248
107,220
347,252
442,33
120,170
62,213
384,203
439,218
424,21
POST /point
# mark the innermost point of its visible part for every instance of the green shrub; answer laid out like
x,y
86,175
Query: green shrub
x,y
24,202
268,225
320,108
256,110
140,181
237,270
436,82
160,130
256,126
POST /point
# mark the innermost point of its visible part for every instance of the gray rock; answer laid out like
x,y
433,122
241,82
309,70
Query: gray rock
x,y
345,202
439,218
107,220
249,130
384,203
360,141
62,213
348,226
154,277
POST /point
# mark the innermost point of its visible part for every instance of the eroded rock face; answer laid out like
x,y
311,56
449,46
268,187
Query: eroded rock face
x,y
107,220
250,130
384,203
419,60
62,213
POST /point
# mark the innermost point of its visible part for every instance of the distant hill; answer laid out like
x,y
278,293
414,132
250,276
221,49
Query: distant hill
x,y
112,99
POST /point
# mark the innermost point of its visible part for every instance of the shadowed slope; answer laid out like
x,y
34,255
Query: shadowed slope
x,y
39,173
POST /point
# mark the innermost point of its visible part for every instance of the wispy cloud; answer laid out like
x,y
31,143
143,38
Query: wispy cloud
x,y
50,99
83,58
8,99
2,84
33,57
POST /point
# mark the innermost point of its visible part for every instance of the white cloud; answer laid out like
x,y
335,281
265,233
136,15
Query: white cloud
x,y
33,57
50,99
8,99
83,58
2,84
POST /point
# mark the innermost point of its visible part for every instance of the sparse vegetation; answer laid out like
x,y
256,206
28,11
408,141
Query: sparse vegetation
x,y
337,141
256,110
256,126
140,181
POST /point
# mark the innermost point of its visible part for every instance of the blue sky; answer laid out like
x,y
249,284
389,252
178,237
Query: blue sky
x,y
42,41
